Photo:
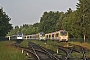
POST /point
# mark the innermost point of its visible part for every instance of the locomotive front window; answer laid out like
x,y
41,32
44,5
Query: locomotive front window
x,y
19,34
63,33
42,34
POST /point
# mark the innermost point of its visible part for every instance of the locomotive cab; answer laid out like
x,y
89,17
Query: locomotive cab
x,y
42,36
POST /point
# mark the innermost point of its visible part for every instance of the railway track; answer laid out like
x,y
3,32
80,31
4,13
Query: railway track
x,y
69,50
41,53
38,52
27,51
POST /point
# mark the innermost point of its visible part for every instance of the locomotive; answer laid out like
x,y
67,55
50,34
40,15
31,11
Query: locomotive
x,y
61,36
19,36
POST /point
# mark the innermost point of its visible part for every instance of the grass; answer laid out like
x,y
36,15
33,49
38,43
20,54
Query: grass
x,y
8,52
24,43
86,45
76,55
48,44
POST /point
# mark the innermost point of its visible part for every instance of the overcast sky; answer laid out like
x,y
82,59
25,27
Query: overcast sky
x,y
29,11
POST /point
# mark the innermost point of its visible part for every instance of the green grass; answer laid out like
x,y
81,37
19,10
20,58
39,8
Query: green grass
x,y
86,45
8,52
49,44
76,55
24,43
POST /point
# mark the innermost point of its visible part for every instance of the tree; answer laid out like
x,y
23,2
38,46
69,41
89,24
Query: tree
x,y
59,22
48,21
25,25
83,10
5,26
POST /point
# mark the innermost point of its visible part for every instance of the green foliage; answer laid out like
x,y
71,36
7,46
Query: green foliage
x,y
25,29
48,21
58,25
83,10
5,26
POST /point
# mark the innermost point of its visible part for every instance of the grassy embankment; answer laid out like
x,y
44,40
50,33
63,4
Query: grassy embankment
x,y
8,52
86,45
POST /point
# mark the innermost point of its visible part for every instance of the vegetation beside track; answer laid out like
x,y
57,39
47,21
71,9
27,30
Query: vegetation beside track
x,y
24,43
47,44
86,45
8,52
52,46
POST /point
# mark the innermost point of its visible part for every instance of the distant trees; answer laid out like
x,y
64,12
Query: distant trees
x,y
25,29
5,26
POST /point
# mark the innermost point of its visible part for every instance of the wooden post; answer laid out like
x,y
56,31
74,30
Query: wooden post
x,y
27,54
22,51
84,38
57,51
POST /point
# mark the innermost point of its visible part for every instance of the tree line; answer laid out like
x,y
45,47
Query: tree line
x,y
76,22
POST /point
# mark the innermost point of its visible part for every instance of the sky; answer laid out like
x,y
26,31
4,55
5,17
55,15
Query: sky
x,y
29,11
